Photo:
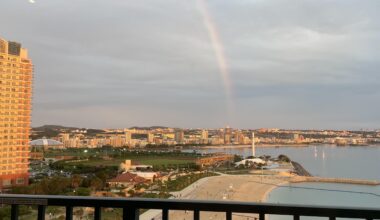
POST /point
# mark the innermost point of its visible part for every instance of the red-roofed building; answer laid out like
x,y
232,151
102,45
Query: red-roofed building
x,y
126,179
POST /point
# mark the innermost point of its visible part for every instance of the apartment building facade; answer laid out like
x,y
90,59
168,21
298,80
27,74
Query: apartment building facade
x,y
16,75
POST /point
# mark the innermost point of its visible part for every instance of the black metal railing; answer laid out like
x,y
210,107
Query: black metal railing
x,y
131,207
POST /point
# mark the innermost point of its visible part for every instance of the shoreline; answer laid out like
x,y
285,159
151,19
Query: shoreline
x,y
240,146
248,146
266,194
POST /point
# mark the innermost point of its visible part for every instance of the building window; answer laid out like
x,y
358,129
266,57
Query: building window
x,y
20,181
7,182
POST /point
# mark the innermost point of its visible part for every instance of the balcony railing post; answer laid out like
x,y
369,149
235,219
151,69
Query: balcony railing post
x,y
165,214
97,213
131,213
296,217
14,212
261,216
69,213
196,215
41,212
228,215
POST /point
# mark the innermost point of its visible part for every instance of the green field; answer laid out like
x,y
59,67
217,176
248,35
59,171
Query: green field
x,y
88,160
145,160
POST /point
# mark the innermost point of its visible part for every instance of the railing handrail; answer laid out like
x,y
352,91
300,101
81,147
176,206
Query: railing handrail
x,y
201,205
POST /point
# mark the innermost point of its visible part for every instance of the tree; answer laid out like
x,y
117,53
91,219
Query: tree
x,y
96,183
131,192
54,186
76,181
83,191
237,158
86,182
22,190
103,175
283,158
57,185
5,213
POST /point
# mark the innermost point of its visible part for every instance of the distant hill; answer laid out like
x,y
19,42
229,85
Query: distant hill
x,y
45,131
53,131
93,132
149,128
53,127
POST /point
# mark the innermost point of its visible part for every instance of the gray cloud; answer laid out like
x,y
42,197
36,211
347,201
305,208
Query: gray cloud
x,y
293,64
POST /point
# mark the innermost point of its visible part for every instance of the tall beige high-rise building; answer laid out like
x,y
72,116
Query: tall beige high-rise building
x,y
16,74
179,136
204,136
128,138
227,135
150,137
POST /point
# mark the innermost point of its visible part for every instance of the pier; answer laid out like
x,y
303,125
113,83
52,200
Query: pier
x,y
300,179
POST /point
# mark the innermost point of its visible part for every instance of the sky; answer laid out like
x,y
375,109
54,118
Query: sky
x,y
114,64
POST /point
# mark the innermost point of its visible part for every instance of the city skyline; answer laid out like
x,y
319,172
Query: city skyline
x,y
205,128
301,65
69,137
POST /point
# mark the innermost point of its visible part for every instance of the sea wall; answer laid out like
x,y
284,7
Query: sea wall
x,y
300,179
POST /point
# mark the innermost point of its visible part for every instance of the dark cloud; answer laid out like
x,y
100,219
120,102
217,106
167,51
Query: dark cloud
x,y
293,64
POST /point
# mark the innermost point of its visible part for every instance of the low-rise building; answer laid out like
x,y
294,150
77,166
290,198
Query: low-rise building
x,y
126,179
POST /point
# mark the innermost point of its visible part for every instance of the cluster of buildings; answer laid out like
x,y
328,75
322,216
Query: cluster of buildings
x,y
338,137
153,137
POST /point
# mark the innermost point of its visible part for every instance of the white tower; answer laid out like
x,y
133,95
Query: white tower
x,y
253,145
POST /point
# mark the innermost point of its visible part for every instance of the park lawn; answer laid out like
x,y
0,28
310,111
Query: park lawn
x,y
154,161
164,161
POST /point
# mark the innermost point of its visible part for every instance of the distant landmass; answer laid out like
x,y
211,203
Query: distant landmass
x,y
148,128
54,130
53,127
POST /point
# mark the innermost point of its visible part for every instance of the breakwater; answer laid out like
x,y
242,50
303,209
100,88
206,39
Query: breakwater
x,y
298,168
300,179
305,176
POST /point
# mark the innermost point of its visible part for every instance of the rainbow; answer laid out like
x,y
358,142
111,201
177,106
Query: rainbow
x,y
219,53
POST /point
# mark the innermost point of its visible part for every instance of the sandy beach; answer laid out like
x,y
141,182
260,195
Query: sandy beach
x,y
247,188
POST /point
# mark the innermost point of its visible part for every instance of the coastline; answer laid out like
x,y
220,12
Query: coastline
x,y
276,146
267,193
257,145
